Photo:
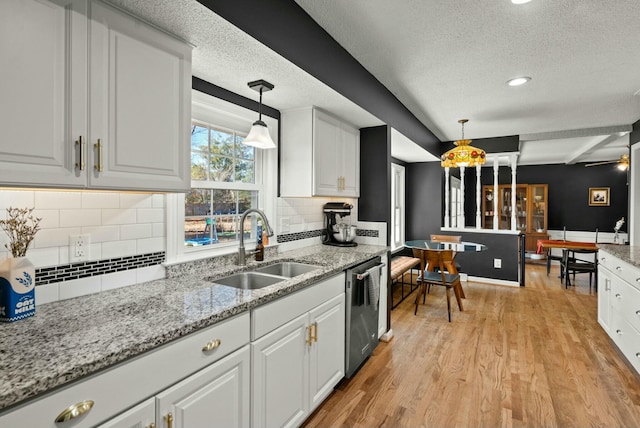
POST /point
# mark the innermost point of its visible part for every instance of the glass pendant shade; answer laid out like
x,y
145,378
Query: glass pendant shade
x,y
259,136
464,154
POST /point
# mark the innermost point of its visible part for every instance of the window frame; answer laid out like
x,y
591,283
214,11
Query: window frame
x,y
225,116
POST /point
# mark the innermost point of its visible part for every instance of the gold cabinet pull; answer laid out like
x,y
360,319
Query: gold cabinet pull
x,y
315,331
74,411
151,425
80,148
98,147
210,346
309,336
169,419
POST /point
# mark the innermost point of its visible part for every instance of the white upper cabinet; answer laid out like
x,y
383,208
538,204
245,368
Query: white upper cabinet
x,y
320,155
94,98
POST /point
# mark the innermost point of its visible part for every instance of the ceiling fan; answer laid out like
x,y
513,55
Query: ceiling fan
x,y
623,162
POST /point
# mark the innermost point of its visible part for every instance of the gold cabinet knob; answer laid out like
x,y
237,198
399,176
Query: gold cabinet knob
x,y
74,411
210,346
169,419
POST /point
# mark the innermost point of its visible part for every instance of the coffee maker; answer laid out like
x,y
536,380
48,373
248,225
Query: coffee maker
x,y
338,233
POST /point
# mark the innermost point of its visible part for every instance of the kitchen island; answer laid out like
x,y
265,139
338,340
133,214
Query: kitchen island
x,y
68,340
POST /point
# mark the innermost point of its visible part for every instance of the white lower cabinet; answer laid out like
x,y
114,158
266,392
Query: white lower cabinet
x,y
199,368
141,416
619,305
296,366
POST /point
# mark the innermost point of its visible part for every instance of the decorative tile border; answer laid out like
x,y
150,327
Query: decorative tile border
x,y
368,232
48,275
289,237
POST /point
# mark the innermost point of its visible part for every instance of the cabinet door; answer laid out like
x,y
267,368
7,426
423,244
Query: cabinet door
x,y
326,364
43,88
215,396
141,416
327,136
140,105
604,298
349,167
280,390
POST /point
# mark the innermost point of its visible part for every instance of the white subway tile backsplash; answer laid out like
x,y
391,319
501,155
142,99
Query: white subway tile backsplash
x,y
150,245
118,249
158,201
57,200
79,287
150,215
47,293
136,231
85,217
16,199
102,233
118,279
55,237
150,273
49,219
136,200
159,230
119,216
44,256
100,200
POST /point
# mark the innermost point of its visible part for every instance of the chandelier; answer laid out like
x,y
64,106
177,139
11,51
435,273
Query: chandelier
x,y
463,154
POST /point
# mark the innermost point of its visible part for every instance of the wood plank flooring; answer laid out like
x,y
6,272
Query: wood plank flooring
x,y
516,357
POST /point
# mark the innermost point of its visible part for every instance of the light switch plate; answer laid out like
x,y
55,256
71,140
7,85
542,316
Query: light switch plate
x,y
497,263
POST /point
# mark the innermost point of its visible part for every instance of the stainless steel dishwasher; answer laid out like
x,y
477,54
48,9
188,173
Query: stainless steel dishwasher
x,y
361,314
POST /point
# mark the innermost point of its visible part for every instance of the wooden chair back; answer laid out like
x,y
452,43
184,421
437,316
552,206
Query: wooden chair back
x,y
432,259
446,238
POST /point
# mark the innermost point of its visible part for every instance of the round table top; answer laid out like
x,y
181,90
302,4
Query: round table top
x,y
458,247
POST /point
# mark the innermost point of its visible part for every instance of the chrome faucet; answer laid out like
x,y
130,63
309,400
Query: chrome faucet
x,y
241,253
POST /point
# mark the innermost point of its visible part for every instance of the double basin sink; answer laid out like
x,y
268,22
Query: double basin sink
x,y
265,276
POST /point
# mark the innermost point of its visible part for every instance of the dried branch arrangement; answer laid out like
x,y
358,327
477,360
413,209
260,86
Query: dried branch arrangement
x,y
21,227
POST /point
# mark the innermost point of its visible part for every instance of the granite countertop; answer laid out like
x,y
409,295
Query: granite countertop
x,y
627,253
69,339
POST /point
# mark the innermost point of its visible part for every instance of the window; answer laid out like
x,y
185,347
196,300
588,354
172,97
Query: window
x,y
225,182
397,206
227,179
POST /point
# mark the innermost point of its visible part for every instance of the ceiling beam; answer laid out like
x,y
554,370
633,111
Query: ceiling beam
x,y
574,133
592,145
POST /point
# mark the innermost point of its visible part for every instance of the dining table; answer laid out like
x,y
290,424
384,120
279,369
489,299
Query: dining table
x,y
565,246
456,247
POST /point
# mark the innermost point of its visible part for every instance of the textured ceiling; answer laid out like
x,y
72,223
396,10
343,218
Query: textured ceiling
x,y
448,60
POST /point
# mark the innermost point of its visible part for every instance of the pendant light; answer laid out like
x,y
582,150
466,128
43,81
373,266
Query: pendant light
x,y
463,154
259,134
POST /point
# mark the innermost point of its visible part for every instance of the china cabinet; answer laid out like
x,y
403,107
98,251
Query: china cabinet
x,y
531,208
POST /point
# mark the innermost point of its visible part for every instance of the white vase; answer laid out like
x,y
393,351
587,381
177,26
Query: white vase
x,y
17,289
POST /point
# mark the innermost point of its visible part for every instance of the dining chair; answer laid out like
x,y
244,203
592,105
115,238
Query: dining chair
x,y
572,265
432,260
449,238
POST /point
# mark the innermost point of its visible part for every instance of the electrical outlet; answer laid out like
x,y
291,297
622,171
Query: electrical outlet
x,y
78,248
497,263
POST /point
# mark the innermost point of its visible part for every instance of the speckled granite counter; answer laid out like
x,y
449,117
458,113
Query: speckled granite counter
x,y
73,338
627,253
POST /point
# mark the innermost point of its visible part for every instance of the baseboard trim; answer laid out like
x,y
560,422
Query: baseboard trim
x,y
494,281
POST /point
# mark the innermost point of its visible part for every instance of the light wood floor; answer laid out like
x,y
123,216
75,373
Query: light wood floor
x,y
533,356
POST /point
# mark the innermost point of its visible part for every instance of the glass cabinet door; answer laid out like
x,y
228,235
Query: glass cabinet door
x,y
487,207
506,208
539,208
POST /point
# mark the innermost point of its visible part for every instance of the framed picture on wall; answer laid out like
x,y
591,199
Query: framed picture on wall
x,y
599,196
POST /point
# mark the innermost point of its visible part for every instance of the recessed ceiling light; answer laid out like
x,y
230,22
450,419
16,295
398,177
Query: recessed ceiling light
x,y
517,81
520,1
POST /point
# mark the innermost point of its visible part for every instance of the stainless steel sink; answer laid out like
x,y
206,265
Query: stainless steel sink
x,y
248,280
287,269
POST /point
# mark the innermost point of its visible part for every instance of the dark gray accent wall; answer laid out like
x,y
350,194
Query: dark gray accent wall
x,y
509,143
568,193
423,199
499,246
374,203
287,29
634,136
218,92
